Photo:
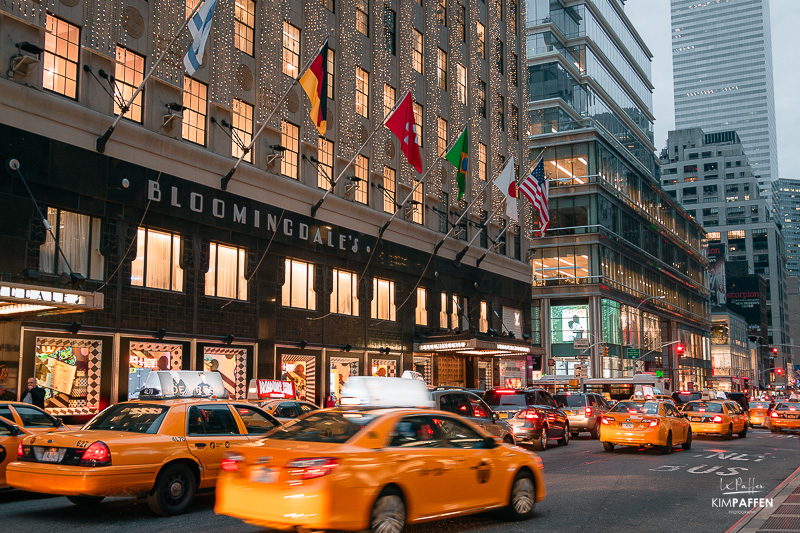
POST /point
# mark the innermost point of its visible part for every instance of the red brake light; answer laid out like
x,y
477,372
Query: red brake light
x,y
313,468
604,420
505,391
530,415
653,423
97,454
717,419
230,462
774,414
587,411
20,451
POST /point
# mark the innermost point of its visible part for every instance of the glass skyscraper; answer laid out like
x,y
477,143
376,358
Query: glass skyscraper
x,y
722,66
787,209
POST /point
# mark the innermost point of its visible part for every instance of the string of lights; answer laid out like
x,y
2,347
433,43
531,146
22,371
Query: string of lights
x,y
102,30
33,11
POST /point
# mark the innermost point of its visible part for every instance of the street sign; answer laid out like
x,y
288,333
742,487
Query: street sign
x,y
632,353
580,371
659,373
582,357
573,383
551,362
580,343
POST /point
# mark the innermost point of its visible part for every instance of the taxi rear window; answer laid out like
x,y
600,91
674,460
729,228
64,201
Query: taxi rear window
x,y
759,405
787,407
323,427
646,408
704,406
135,418
571,400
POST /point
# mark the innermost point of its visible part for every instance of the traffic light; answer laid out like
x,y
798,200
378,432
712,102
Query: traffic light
x,y
605,350
774,350
779,371
680,348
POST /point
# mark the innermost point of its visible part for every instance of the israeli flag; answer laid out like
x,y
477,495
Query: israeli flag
x,y
199,27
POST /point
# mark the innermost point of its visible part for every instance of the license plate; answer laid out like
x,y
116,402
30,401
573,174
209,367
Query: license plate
x,y
51,455
791,416
263,475
502,415
696,419
627,425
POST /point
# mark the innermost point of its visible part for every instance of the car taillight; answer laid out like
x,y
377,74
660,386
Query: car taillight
x,y
588,411
530,415
230,462
97,454
717,419
505,391
774,414
604,420
312,468
653,423
20,451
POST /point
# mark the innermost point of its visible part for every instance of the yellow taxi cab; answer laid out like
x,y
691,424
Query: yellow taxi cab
x,y
645,423
785,415
32,418
383,460
10,437
163,449
759,413
717,417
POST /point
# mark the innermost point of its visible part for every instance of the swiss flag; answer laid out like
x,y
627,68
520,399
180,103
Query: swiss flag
x,y
401,123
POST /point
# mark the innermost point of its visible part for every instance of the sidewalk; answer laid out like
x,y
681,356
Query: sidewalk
x,y
782,517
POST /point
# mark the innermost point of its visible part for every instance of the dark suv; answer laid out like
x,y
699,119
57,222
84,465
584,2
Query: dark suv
x,y
469,405
533,415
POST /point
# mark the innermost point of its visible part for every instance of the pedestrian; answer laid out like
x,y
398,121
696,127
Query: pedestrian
x,y
35,394
330,402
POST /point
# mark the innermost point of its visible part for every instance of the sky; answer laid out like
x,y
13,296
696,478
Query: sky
x,y
651,18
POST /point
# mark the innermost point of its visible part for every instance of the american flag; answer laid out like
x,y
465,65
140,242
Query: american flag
x,y
536,188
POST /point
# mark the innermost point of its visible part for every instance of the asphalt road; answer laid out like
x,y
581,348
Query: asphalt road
x,y
628,490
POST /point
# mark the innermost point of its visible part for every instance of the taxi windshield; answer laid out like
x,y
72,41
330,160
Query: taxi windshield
x,y
643,408
328,426
707,407
571,400
135,418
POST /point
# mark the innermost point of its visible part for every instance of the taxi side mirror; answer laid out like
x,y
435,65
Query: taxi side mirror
x,y
495,416
15,430
489,443
59,422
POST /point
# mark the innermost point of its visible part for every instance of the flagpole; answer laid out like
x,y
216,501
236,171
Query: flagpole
x,y
463,252
100,144
481,258
316,206
227,178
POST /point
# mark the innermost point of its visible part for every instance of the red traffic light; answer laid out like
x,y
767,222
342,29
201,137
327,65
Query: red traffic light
x,y
779,371
775,350
680,348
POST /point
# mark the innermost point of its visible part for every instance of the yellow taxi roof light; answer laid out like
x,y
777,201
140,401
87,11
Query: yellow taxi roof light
x,y
374,391
162,384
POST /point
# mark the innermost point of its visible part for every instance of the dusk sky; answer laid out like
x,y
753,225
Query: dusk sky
x,y
652,20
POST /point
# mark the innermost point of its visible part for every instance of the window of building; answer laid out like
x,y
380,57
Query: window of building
x,y
298,286
512,13
383,299
157,263
389,190
713,236
421,313
290,141
362,16
690,169
500,56
483,320
344,298
480,35
331,72
419,123
226,272
330,5
416,51
482,97
482,161
245,26
514,123
455,311
388,99
441,12
129,73
443,317
390,30
361,185
441,70
461,17
418,204
441,132
499,112
242,129
325,163
78,238
512,70
498,9
362,92
190,5
461,80
735,234
60,57
291,49
710,167
195,103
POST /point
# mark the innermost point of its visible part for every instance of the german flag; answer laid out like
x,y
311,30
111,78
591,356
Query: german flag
x,y
315,84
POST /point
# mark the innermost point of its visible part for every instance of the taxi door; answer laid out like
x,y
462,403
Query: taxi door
x,y
9,441
211,430
679,425
737,416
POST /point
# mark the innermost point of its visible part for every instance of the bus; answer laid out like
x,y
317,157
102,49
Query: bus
x,y
609,388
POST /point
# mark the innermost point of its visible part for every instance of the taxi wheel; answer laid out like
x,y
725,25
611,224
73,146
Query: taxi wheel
x,y
85,500
729,434
608,446
667,448
773,429
173,492
523,497
595,431
688,444
509,440
743,433
388,514
541,442
563,441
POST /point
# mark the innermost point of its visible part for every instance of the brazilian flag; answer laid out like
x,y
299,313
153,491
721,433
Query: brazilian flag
x,y
458,156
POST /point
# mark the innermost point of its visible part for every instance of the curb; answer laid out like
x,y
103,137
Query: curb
x,y
757,518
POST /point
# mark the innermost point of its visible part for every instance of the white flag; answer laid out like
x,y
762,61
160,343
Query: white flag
x,y
199,27
507,182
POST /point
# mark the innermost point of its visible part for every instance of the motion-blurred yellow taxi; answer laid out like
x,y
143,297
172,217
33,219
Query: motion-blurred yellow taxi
x,y
371,466
717,417
785,415
759,413
164,449
31,418
10,437
645,423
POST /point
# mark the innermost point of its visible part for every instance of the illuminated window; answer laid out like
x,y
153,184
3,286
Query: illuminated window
x,y
383,299
289,140
226,272
298,286
60,58
418,120
455,310
330,5
330,72
362,16
291,50
441,12
713,236
441,70
78,239
461,81
157,263
361,185
325,165
190,5
242,130
483,321
344,298
482,97
245,14
129,73
417,203
421,313
390,30
443,311
481,37
362,92
389,188
195,105
736,234
482,161
416,52
388,99
441,132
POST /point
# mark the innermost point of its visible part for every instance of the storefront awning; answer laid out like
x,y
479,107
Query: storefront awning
x,y
474,345
18,300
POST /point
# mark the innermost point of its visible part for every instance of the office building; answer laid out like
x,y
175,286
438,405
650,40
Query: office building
x,y
787,212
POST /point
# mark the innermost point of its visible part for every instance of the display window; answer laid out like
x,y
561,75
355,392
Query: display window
x,y
511,373
568,322
342,368
231,363
144,357
386,368
424,366
69,371
300,370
